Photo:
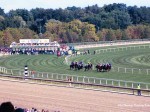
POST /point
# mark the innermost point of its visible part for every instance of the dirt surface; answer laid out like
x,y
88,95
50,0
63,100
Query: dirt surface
x,y
112,44
64,99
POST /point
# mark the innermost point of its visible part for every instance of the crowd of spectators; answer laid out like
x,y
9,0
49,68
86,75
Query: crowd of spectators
x,y
5,50
9,107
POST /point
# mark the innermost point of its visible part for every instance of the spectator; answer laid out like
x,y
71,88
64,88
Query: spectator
x,y
7,107
139,91
32,73
88,51
19,110
94,52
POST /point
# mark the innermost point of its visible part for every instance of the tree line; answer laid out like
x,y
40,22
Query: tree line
x,y
75,24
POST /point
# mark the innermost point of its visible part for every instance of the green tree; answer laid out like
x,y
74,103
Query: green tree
x,y
2,12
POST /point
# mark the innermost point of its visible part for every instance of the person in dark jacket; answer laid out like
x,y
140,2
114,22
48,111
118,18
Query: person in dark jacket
x,y
7,107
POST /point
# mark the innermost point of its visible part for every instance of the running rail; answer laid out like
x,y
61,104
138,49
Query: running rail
x,y
80,85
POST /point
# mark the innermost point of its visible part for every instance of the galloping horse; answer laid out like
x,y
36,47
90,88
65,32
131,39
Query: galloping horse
x,y
103,67
88,66
99,68
72,65
76,65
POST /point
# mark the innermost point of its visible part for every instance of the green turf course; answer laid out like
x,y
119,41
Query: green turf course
x,y
137,58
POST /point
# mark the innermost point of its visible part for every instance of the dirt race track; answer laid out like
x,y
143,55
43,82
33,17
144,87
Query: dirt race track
x,y
64,99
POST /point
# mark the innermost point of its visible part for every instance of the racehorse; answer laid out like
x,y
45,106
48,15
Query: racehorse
x,y
72,65
88,66
76,65
99,68
80,66
103,67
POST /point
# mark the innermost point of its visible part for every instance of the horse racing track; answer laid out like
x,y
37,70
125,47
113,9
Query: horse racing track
x,y
68,99
126,63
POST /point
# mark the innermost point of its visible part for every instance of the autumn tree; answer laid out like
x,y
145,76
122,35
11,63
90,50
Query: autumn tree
x,y
118,34
89,32
1,38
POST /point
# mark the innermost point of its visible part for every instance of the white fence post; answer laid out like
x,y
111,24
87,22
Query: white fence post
x,y
119,83
62,77
3,69
94,80
42,75
77,79
112,83
83,79
132,85
11,72
147,71
6,71
100,81
125,84
52,75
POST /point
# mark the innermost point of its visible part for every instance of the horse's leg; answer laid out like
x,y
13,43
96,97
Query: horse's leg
x,y
75,67
88,67
78,67
70,67
100,69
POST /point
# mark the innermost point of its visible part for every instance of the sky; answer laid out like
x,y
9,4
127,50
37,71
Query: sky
x,y
8,5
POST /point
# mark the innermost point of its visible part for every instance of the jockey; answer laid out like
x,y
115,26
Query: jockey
x,y
109,64
76,62
89,63
81,62
99,64
72,63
